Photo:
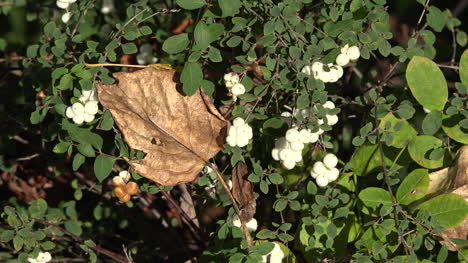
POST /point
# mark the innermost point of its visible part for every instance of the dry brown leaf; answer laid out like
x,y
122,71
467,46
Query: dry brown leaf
x,y
177,133
242,190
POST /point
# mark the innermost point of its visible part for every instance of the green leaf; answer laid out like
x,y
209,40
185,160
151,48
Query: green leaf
x,y
103,166
31,52
78,160
191,4
402,136
86,149
229,7
176,44
191,77
435,18
66,82
367,159
432,122
427,83
107,121
73,226
420,148
201,34
37,208
215,55
464,68
7,235
449,209
262,248
451,126
48,245
129,48
374,196
18,242
442,255
413,187
61,147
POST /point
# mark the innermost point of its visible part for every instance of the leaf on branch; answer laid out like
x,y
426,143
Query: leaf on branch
x,y
242,190
178,134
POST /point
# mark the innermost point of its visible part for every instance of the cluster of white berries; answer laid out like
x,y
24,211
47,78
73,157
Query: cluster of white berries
x,y
85,110
252,225
121,179
331,119
239,133
145,56
325,172
43,257
276,255
231,80
107,6
348,54
64,4
288,149
325,73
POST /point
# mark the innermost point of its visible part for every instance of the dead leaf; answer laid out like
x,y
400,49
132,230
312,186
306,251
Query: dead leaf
x,y
177,133
242,190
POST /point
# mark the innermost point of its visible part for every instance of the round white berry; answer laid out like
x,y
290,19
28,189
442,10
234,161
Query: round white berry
x,y
69,112
317,67
314,137
330,160
321,180
320,131
66,17
228,84
342,60
319,168
231,140
353,53
242,141
106,9
235,79
297,146
288,164
125,175
325,76
117,180
232,131
227,77
334,75
62,4
88,117
282,143
304,135
313,174
244,131
297,156
332,119
238,122
332,174
339,69
320,122
286,154
306,70
292,135
91,107
238,89
275,154
344,50
78,119
78,108
329,105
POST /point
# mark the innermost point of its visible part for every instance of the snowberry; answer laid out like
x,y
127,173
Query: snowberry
x,y
275,154
334,75
329,105
42,257
286,154
238,122
321,180
88,117
78,108
317,67
107,6
297,146
306,70
297,156
118,181
235,79
332,119
91,107
353,53
78,119
238,89
242,141
319,168
227,77
275,256
232,131
288,164
332,174
69,112
231,140
342,60
339,69
125,175
66,17
62,4
325,76
292,135
330,161
304,135
315,136
313,174
344,50
252,225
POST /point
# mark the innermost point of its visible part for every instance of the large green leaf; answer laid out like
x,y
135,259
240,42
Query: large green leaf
x,y
374,196
367,158
449,209
427,83
420,148
403,135
176,44
413,187
229,7
191,77
191,4
464,68
103,166
451,126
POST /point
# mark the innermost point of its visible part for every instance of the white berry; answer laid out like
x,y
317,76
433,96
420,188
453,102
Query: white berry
x,y
231,140
91,107
317,67
88,117
340,71
78,108
238,122
313,174
275,154
227,77
329,105
117,180
242,141
286,154
238,89
304,135
332,119
69,112
342,60
125,175
297,146
353,53
288,164
297,156
325,76
244,131
330,160
332,174
62,4
321,180
66,17
344,49
78,119
235,79
319,168
228,84
292,135
306,70
232,131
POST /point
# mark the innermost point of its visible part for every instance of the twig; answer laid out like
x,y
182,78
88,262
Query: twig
x,y
423,12
157,13
129,21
